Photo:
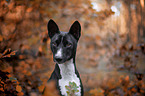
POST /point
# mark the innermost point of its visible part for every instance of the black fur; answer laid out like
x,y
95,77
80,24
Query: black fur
x,y
67,41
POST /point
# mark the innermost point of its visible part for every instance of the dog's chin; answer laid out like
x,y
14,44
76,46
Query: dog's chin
x,y
59,62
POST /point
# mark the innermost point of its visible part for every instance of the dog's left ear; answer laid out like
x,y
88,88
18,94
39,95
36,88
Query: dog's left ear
x,y
75,30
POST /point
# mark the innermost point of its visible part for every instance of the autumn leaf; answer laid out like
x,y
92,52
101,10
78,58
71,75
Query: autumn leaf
x,y
71,89
112,35
18,88
97,92
7,53
50,89
1,38
29,9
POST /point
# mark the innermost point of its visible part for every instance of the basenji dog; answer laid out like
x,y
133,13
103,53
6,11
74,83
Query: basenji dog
x,y
63,46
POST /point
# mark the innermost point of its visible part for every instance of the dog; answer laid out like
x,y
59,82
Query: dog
x,y
63,46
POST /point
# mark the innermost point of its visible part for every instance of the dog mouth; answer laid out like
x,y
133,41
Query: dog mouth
x,y
59,61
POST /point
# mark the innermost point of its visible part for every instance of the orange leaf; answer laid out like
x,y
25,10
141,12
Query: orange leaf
x,y
133,89
41,88
1,38
127,78
18,88
20,94
29,9
9,49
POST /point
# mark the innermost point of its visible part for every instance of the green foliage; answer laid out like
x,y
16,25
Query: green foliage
x,y
72,89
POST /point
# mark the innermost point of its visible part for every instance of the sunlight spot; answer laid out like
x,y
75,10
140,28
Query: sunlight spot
x,y
114,9
95,6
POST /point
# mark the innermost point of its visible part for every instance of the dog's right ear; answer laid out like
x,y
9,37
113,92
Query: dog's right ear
x,y
52,28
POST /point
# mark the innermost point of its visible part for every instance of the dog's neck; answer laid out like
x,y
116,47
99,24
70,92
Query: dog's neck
x,y
67,69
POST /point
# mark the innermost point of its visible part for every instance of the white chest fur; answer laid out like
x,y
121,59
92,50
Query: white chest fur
x,y
67,71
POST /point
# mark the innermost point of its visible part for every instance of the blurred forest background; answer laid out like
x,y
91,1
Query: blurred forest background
x,y
110,55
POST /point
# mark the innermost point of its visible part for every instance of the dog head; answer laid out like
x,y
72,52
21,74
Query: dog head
x,y
63,44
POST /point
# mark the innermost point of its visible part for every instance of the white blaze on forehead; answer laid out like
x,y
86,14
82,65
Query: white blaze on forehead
x,y
59,53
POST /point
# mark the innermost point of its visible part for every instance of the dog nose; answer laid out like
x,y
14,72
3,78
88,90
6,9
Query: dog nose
x,y
58,59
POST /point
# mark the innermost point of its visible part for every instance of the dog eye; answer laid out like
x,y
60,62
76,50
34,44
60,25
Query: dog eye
x,y
68,45
54,44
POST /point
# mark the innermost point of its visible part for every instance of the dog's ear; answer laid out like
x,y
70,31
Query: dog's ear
x,y
75,30
52,28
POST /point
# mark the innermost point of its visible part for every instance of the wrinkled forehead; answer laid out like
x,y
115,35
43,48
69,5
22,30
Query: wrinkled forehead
x,y
63,36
